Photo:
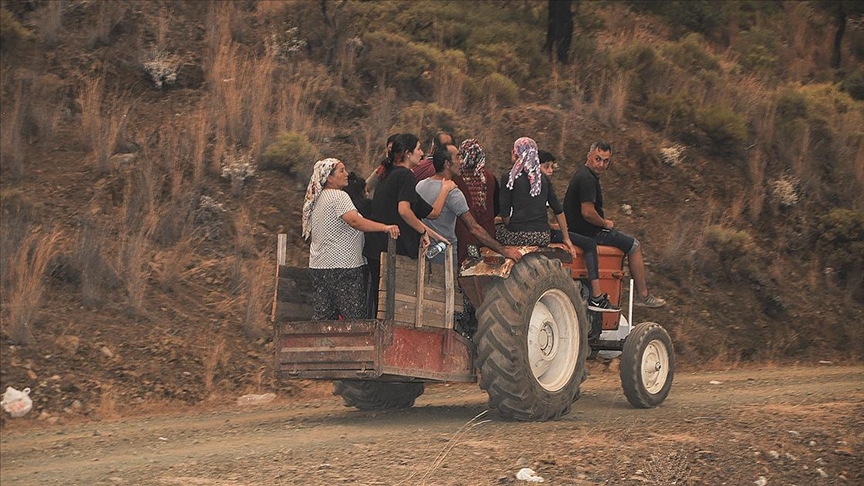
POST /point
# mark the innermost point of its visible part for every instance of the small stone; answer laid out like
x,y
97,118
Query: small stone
x,y
820,461
794,433
32,375
822,474
790,457
715,382
44,416
107,352
761,481
774,455
811,443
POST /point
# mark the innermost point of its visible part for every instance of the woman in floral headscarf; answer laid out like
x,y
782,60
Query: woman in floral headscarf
x,y
335,228
480,188
524,198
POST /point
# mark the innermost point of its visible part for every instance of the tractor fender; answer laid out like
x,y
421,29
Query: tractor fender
x,y
475,275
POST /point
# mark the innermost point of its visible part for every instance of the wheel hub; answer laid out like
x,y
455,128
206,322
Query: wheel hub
x,y
553,340
546,339
654,366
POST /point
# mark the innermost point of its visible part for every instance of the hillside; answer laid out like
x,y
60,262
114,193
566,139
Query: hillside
x,y
152,151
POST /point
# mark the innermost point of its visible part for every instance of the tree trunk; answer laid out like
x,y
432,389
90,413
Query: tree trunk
x,y
840,21
559,29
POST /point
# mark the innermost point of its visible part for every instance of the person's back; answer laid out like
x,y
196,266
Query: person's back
x,y
455,205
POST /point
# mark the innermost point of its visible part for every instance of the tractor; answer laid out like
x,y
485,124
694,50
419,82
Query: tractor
x,y
528,346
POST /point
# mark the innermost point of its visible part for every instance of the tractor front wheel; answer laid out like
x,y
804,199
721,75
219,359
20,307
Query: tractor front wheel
x,y
647,365
377,395
532,341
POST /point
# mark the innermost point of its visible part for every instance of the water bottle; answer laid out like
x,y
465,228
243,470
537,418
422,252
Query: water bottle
x,y
435,249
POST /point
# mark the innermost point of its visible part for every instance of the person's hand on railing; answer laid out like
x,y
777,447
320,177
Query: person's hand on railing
x,y
393,231
512,253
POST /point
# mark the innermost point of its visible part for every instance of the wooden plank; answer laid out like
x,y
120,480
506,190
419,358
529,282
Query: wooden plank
x,y
390,283
421,293
292,311
281,248
449,283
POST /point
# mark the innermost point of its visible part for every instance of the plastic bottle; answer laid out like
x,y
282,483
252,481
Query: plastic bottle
x,y
435,249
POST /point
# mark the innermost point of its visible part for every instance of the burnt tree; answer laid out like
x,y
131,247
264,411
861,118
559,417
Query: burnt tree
x,y
559,29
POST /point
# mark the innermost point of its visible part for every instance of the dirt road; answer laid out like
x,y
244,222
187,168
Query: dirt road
x,y
787,425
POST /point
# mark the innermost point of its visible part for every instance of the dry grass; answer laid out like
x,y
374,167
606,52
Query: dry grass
x,y
51,22
11,141
103,119
107,403
97,275
199,125
756,165
216,355
258,282
673,468
109,15
611,105
23,297
135,259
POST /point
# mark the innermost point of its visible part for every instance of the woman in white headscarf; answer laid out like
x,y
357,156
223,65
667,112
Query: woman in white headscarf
x,y
524,197
335,228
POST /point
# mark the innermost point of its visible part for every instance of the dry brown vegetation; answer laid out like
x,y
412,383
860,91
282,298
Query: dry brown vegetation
x,y
171,194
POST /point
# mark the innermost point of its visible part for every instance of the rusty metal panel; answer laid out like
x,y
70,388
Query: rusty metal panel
x,y
438,354
371,349
313,346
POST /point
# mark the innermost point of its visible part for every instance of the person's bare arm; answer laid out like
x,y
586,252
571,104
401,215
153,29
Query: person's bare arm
x,y
438,206
589,212
562,224
487,240
425,232
358,222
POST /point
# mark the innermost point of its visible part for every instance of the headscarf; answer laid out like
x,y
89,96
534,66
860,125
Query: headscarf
x,y
526,160
473,161
322,170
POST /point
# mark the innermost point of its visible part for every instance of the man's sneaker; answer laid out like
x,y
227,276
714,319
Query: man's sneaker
x,y
649,301
601,304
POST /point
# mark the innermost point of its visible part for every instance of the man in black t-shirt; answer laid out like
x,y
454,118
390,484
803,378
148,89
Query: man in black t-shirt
x,y
583,207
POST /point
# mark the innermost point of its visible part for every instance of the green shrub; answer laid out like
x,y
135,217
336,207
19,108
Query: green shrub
x,y
756,48
732,246
691,53
723,126
291,152
791,105
853,84
841,240
10,29
425,119
501,88
676,111
402,64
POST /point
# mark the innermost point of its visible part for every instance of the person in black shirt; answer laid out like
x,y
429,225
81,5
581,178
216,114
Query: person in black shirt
x,y
524,197
396,201
583,207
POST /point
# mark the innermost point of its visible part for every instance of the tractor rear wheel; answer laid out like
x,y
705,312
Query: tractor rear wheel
x,y
377,395
647,365
532,341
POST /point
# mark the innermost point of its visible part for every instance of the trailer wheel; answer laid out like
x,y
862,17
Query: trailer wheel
x,y
377,395
647,365
532,341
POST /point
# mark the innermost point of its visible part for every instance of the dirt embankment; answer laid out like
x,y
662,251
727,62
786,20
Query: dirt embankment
x,y
770,426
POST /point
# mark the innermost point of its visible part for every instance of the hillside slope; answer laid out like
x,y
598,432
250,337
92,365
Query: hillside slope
x,y
137,248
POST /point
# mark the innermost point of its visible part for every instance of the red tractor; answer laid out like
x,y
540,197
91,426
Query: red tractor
x,y
533,333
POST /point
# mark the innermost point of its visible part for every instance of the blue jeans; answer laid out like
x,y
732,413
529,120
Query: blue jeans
x,y
589,249
622,241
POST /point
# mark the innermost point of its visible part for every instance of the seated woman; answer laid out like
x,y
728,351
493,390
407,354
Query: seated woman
x,y
524,200
396,200
335,228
